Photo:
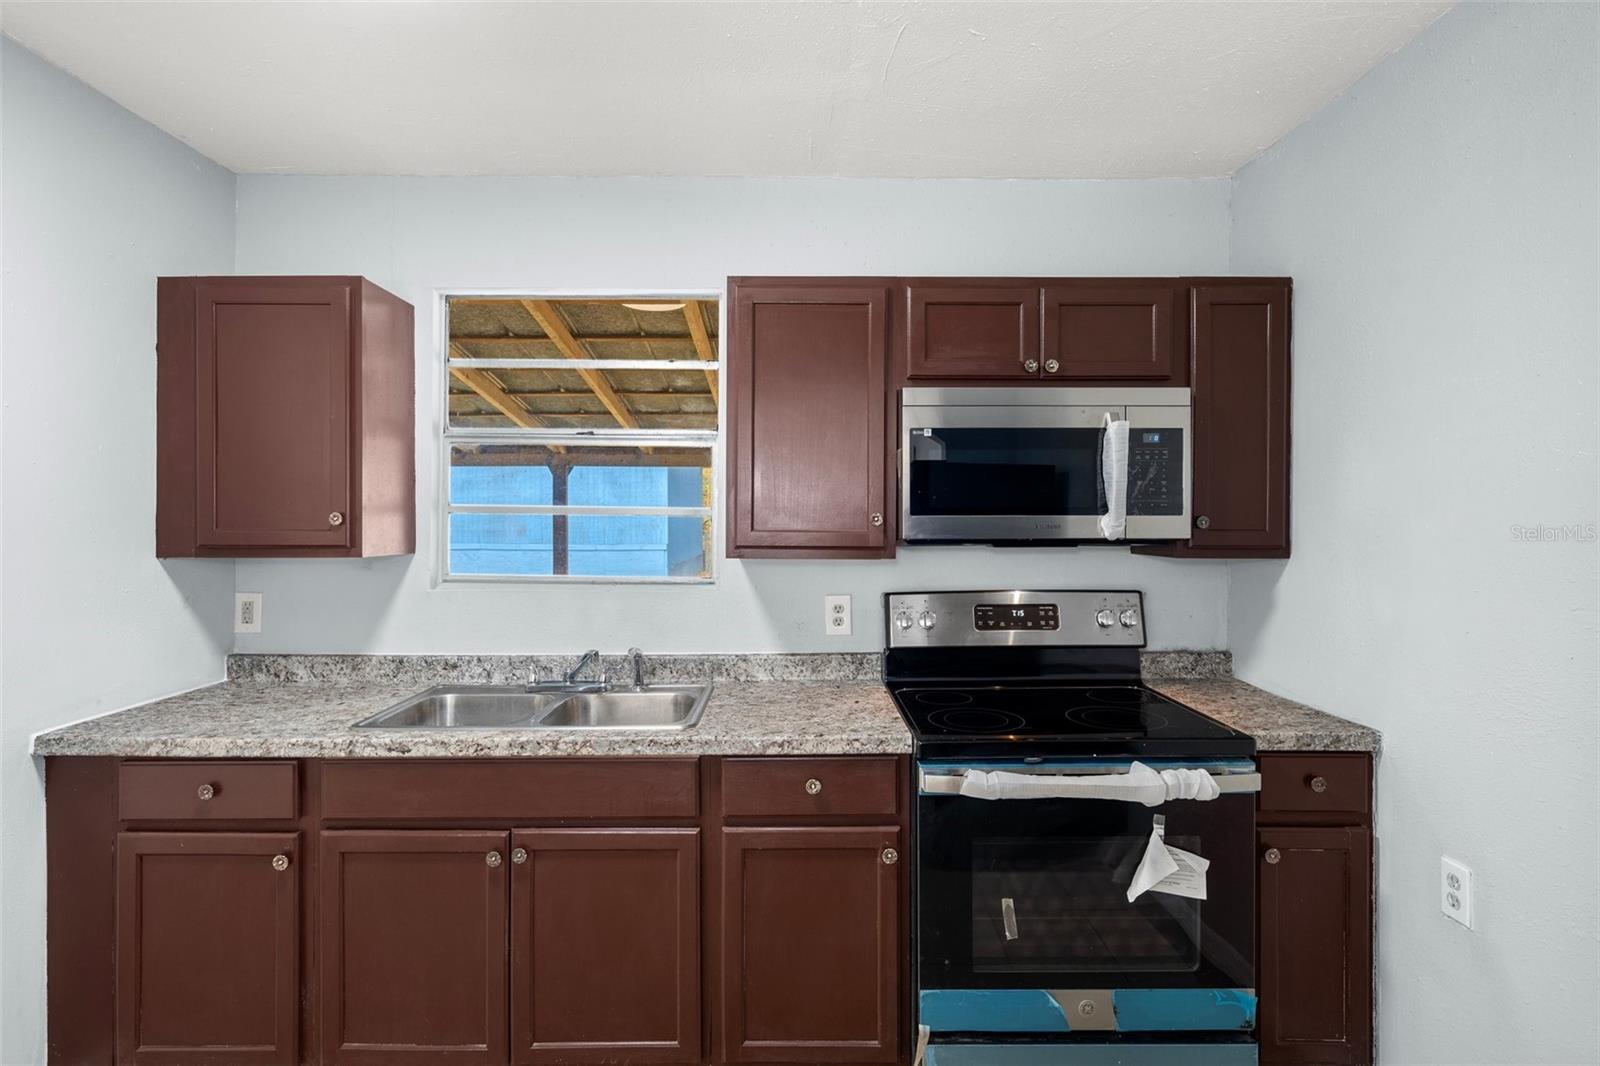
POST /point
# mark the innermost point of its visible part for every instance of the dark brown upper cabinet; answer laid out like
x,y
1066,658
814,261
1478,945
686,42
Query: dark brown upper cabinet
x,y
807,402
1241,419
207,957
971,331
284,418
1108,330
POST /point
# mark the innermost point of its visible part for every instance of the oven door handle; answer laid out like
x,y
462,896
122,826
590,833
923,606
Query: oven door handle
x,y
1141,784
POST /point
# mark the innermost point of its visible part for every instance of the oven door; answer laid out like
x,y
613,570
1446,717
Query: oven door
x,y
983,465
1024,923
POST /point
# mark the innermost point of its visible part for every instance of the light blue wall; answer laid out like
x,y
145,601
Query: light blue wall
x,y
96,203
1440,224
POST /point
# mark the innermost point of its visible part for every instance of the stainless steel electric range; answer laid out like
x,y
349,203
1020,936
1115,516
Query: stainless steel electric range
x,y
1085,874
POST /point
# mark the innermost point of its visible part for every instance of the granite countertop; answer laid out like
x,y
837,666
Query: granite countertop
x,y
305,706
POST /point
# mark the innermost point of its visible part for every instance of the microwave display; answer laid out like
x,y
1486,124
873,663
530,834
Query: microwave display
x,y
1036,616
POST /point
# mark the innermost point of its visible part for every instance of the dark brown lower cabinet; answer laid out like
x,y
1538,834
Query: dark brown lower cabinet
x,y
413,965
605,946
810,968
1314,971
207,958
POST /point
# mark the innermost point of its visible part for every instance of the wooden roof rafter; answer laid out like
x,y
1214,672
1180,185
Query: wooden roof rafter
x,y
555,328
485,385
695,317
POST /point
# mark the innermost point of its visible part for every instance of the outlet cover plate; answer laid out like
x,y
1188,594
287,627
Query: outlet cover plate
x,y
1455,890
247,612
836,616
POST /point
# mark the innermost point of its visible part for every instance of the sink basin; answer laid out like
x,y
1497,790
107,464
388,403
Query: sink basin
x,y
652,707
466,707
514,707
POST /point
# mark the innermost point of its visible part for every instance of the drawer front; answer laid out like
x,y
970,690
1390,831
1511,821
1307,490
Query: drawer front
x,y
519,790
205,790
798,787
1319,783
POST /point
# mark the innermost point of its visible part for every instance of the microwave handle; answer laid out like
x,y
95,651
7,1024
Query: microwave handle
x,y
1114,476
1140,785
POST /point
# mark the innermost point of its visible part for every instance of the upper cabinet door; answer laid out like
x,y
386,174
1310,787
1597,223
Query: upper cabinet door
x,y
806,420
1110,329
971,332
1241,418
273,404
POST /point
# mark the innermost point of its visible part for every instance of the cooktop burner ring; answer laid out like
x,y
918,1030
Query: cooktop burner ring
x,y
966,719
1131,718
944,697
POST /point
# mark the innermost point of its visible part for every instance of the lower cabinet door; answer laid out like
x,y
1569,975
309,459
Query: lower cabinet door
x,y
413,944
605,946
1316,946
810,957
208,935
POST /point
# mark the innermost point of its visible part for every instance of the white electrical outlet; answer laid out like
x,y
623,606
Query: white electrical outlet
x,y
836,615
247,612
1455,890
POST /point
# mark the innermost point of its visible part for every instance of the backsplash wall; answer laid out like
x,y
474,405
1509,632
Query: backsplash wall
x,y
420,236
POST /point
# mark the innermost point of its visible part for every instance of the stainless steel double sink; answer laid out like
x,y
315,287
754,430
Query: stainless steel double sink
x,y
517,707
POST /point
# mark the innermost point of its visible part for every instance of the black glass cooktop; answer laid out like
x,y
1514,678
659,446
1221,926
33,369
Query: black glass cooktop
x,y
1019,720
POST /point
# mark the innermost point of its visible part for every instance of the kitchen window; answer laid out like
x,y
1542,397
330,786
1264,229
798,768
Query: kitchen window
x,y
580,438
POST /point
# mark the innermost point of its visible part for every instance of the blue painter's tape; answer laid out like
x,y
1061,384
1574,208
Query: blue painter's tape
x,y
991,1010
1176,1009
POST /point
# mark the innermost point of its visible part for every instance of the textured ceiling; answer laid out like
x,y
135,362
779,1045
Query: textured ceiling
x,y
977,89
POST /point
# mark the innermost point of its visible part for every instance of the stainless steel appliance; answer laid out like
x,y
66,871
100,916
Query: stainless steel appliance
x,y
1031,464
1053,783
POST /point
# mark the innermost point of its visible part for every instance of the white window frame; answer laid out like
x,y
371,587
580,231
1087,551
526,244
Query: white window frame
x,y
447,437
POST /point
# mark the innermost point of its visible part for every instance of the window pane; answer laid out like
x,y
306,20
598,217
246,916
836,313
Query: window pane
x,y
582,397
638,546
579,475
501,544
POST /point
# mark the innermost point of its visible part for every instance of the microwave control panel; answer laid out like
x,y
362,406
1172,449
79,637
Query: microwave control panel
x,y
1155,471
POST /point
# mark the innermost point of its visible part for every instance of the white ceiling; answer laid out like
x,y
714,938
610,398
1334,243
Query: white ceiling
x,y
977,89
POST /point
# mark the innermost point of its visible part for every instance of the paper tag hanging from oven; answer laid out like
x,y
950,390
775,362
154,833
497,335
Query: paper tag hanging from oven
x,y
1168,869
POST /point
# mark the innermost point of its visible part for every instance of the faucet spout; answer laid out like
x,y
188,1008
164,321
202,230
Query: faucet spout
x,y
636,661
586,660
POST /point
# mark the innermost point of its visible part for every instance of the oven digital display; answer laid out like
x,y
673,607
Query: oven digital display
x,y
1016,616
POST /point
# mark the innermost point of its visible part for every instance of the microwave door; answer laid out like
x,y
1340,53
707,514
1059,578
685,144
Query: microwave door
x,y
1002,473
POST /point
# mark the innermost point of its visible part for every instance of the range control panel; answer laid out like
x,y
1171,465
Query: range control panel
x,y
1009,617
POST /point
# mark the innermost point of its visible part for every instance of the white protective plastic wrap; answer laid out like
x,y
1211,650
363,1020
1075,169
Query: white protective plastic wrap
x,y
1114,471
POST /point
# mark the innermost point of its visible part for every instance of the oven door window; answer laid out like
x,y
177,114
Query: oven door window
x,y
1060,906
1033,894
1006,471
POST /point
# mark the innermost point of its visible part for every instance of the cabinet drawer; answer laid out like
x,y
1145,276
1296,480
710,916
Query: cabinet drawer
x,y
1319,783
520,790
828,786
206,790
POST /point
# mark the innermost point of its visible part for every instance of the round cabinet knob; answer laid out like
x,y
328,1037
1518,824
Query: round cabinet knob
x,y
206,791
1051,366
1086,1007
1319,784
927,619
493,859
519,855
877,518
335,519
1129,618
280,863
1105,618
904,620
1273,856
813,786
1203,522
890,856
1030,365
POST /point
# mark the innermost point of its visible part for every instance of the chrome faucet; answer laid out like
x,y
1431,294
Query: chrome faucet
x,y
636,661
586,660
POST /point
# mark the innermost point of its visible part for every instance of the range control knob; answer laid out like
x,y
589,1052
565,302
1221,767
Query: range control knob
x,y
1106,618
1129,618
903,619
926,619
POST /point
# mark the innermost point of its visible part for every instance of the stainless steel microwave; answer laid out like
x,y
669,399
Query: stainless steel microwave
x,y
1013,465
